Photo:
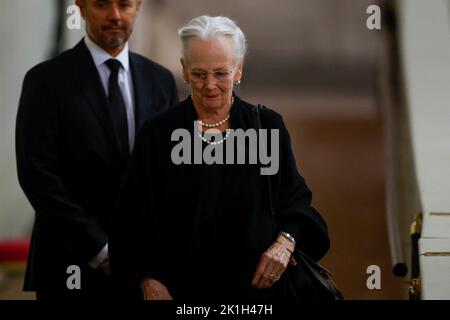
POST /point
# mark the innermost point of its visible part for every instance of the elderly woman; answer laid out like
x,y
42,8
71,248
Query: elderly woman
x,y
205,231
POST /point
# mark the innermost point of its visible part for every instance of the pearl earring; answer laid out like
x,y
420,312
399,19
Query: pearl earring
x,y
238,82
187,82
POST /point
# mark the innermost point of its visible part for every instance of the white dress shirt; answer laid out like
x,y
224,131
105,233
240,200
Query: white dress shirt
x,y
100,56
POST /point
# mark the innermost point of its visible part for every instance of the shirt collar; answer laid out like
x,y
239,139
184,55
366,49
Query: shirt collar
x,y
100,56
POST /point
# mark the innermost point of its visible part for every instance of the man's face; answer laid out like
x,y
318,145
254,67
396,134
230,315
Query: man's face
x,y
109,23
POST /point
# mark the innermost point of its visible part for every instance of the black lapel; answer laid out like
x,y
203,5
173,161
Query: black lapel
x,y
144,92
91,86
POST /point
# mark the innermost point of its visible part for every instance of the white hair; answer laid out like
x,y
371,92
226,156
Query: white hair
x,y
205,27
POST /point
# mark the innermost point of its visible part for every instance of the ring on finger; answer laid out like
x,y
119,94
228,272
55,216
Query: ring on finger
x,y
273,278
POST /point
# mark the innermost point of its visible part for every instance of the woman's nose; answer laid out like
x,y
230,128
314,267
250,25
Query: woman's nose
x,y
210,81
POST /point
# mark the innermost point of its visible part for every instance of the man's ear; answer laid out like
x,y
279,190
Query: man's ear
x,y
82,5
138,5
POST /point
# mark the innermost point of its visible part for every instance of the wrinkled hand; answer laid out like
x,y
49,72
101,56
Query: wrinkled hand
x,y
154,290
273,263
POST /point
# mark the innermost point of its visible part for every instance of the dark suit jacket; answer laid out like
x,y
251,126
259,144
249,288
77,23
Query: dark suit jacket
x,y
68,159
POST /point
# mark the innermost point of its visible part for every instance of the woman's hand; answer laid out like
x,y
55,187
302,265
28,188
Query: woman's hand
x,y
273,263
154,290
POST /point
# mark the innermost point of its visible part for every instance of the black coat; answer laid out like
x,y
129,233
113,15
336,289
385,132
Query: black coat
x,y
201,229
68,159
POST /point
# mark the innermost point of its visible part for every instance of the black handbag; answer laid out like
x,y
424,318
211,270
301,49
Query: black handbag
x,y
307,279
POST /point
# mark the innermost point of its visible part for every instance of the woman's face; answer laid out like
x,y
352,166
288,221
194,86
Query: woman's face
x,y
211,71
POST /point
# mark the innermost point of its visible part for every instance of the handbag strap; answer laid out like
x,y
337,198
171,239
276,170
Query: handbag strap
x,y
319,272
300,253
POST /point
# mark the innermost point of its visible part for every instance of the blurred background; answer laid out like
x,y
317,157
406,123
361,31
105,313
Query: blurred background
x,y
337,84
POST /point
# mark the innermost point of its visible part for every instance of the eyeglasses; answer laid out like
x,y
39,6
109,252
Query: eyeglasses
x,y
201,76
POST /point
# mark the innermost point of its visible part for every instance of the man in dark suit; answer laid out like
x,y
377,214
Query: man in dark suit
x,y
78,116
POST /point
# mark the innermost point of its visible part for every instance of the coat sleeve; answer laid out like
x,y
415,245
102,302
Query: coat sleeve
x,y
292,202
40,170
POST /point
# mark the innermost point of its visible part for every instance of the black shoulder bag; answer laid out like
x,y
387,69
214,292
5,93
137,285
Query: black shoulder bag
x,y
307,279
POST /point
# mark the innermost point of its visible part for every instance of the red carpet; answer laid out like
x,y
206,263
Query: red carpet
x,y
14,250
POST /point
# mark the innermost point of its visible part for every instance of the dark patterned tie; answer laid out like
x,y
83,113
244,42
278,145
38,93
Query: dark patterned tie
x,y
117,106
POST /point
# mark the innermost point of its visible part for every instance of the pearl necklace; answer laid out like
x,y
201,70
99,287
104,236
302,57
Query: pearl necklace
x,y
215,143
214,125
218,124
